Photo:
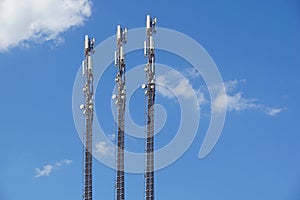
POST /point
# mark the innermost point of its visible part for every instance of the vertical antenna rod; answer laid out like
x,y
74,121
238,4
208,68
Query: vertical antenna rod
x,y
150,94
121,98
88,111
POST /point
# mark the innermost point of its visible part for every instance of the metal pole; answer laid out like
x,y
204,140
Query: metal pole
x,y
88,110
150,93
121,99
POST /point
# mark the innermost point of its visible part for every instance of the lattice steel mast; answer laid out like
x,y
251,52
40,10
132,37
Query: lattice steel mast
x,y
121,98
150,96
88,110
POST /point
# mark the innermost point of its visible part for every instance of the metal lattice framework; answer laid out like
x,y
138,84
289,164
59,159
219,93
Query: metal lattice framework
x,y
120,102
150,96
88,110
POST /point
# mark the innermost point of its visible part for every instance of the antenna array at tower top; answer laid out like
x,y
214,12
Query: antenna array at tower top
x,y
120,100
88,111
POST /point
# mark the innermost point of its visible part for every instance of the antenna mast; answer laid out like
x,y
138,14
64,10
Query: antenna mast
x,y
121,98
150,94
88,111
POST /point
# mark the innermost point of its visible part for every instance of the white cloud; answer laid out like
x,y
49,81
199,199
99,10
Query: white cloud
x,y
39,20
47,169
104,150
191,73
58,164
112,137
238,103
273,111
232,84
235,101
174,84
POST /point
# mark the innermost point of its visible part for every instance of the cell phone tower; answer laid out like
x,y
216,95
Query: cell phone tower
x,y
150,96
120,102
88,111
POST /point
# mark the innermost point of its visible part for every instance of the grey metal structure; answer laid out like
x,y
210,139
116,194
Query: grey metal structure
x,y
88,111
120,102
150,96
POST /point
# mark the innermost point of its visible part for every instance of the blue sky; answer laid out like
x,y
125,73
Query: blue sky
x,y
255,45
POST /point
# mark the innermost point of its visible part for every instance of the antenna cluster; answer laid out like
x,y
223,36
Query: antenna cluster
x,y
149,48
149,52
88,111
120,101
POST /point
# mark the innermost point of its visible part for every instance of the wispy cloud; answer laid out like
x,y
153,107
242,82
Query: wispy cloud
x,y
174,84
104,150
231,85
235,100
273,111
191,73
47,169
112,137
39,20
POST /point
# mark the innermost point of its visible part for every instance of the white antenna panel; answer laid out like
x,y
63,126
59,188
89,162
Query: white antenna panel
x,y
90,64
151,42
118,32
86,42
148,22
153,68
116,58
83,68
121,52
145,48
